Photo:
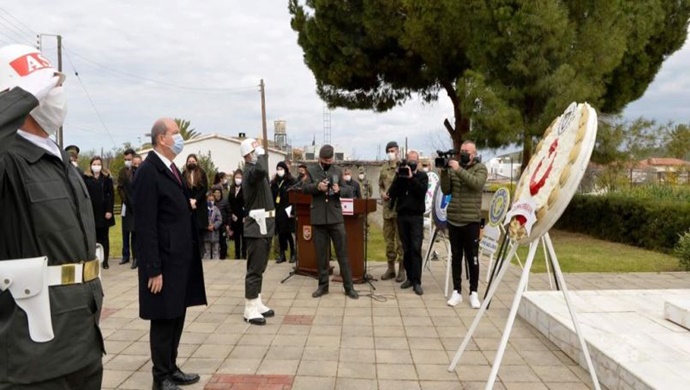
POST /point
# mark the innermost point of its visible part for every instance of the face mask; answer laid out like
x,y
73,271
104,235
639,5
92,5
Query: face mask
x,y
76,164
392,156
209,203
191,166
412,165
464,158
51,112
347,177
325,166
253,157
225,182
178,144
128,163
96,168
238,181
280,172
425,169
361,177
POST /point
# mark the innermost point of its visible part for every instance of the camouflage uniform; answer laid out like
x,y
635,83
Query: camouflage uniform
x,y
390,225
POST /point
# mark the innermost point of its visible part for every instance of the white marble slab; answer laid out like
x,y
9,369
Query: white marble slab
x,y
632,343
677,311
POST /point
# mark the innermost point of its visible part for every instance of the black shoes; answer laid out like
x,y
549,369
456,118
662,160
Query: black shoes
x,y
418,289
352,294
123,261
319,292
281,258
406,284
105,265
293,258
167,384
134,264
182,379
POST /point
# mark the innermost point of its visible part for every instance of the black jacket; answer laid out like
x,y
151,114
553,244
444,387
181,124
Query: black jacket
x,y
44,211
124,188
236,205
257,195
198,192
167,242
102,199
285,224
325,207
409,193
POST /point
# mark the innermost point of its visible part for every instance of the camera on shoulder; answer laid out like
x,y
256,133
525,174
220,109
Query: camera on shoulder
x,y
444,157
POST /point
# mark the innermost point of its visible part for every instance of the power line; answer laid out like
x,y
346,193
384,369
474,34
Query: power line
x,y
19,22
17,35
160,83
93,105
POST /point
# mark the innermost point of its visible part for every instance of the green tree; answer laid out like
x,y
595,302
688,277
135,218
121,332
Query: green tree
x,y
677,140
375,55
206,163
185,131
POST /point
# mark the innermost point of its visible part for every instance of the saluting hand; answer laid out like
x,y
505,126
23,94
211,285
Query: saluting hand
x,y
156,284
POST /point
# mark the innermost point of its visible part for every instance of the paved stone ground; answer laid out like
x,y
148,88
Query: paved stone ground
x,y
388,339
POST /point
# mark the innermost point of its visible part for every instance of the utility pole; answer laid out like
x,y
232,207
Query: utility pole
x,y
263,114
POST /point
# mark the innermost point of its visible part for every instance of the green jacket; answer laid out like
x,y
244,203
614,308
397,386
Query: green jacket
x,y
386,177
325,206
465,187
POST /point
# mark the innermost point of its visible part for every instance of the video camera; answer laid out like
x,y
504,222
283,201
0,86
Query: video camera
x,y
444,157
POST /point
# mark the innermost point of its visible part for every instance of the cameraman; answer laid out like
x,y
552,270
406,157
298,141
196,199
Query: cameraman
x,y
409,189
464,180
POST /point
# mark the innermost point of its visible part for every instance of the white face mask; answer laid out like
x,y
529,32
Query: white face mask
x,y
76,164
128,163
361,177
253,157
51,112
280,172
425,169
347,177
392,156
238,181
96,168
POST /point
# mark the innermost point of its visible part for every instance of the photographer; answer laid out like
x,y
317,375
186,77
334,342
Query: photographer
x,y
408,191
464,180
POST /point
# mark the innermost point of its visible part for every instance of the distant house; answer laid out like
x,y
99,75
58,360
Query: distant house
x,y
504,168
224,151
664,170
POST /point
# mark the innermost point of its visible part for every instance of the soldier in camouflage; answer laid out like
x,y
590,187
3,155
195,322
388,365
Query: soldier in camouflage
x,y
390,222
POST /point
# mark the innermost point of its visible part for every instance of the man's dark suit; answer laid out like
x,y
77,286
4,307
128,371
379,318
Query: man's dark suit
x,y
166,245
328,222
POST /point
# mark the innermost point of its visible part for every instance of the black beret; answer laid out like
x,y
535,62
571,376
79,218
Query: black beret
x,y
391,144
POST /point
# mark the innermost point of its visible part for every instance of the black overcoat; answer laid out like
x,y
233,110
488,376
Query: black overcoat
x,y
102,198
167,242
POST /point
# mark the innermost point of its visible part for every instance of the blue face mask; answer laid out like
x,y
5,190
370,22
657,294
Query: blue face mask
x,y
178,144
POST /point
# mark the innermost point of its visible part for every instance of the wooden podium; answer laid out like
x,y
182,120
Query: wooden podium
x,y
354,228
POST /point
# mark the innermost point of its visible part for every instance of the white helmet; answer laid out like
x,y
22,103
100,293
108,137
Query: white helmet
x,y
17,61
247,146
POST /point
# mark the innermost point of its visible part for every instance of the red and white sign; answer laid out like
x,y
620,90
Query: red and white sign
x,y
29,63
348,206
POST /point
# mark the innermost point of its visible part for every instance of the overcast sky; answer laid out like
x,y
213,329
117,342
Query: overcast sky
x,y
202,61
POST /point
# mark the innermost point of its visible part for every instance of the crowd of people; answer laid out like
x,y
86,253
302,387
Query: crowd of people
x,y
57,215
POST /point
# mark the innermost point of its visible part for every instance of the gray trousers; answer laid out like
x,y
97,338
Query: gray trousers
x,y
323,234
257,258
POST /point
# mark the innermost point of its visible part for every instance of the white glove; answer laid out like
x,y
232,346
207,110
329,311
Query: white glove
x,y
259,151
40,83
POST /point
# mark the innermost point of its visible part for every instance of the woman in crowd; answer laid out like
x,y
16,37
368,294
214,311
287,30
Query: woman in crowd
x,y
197,183
100,186
285,223
237,215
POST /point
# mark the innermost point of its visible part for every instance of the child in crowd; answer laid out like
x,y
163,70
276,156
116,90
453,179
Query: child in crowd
x,y
211,236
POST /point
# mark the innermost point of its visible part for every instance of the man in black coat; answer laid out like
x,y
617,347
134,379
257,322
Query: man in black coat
x,y
326,185
170,272
408,191
124,189
45,212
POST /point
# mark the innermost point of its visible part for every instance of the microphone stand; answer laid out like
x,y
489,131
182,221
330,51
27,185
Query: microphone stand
x,y
367,277
295,187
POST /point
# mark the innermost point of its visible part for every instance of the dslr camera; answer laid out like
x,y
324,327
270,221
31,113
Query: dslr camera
x,y
403,169
444,157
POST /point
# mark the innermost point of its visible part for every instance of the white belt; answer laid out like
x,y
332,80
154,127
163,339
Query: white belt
x,y
73,273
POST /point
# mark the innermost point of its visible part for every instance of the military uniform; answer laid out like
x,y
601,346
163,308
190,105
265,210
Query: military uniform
x,y
390,224
329,224
257,195
46,211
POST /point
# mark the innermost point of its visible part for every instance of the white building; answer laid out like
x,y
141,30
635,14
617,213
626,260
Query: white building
x,y
224,151
505,167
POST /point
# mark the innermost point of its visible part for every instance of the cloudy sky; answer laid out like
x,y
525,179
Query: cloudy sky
x,y
202,61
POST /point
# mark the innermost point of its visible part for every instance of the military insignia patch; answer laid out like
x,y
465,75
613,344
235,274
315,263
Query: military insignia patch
x,y
306,233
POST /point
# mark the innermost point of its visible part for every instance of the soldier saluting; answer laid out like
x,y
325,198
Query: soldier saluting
x,y
50,292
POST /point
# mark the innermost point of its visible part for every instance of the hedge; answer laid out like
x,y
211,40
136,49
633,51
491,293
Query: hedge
x,y
647,223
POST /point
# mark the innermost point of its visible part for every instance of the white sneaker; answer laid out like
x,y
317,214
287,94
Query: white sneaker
x,y
455,298
474,300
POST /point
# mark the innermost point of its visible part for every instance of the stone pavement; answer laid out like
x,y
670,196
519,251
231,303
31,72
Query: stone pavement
x,y
388,339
